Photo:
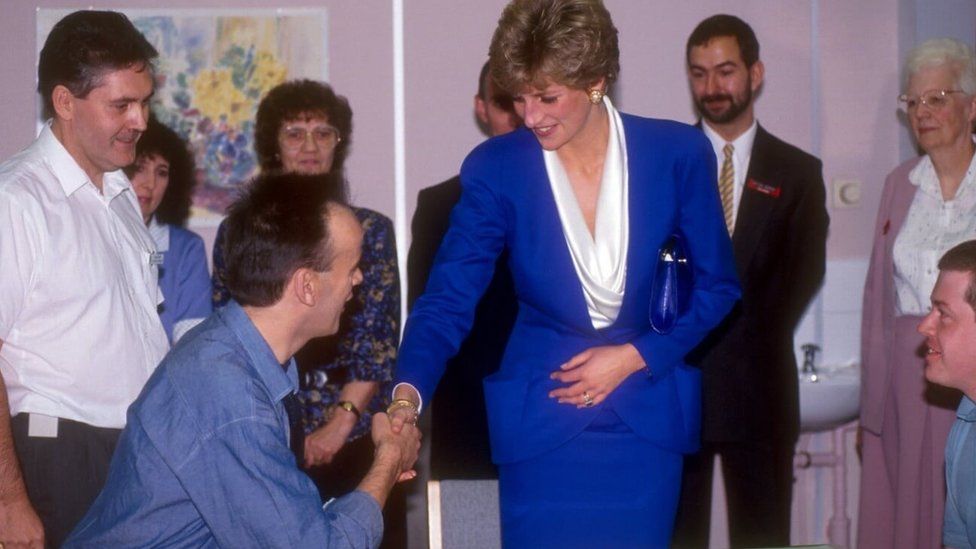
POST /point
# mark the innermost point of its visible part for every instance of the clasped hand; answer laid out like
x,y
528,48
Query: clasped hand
x,y
592,375
405,440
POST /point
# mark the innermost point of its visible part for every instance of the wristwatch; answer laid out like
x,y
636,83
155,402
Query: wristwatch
x,y
345,405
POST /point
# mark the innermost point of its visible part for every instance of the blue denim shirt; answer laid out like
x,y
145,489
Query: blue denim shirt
x,y
204,459
959,527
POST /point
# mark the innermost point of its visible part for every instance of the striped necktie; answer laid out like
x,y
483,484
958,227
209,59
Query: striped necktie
x,y
726,180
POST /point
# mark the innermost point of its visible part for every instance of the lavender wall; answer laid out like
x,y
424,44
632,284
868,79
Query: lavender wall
x,y
360,66
832,71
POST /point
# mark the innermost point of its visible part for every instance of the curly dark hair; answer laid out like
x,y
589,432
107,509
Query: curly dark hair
x,y
83,46
159,140
289,101
572,42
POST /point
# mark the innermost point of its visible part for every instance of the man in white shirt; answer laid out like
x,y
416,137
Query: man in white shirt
x,y
79,332
773,199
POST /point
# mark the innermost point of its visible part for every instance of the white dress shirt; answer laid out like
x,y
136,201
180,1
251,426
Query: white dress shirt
x,y
79,289
741,155
600,259
932,226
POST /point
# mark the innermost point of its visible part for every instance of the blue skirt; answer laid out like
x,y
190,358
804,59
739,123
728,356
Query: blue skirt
x,y
603,488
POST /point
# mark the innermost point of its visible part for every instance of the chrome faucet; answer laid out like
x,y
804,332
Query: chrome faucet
x,y
809,354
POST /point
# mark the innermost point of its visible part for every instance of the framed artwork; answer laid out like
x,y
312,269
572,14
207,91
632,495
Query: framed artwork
x,y
214,67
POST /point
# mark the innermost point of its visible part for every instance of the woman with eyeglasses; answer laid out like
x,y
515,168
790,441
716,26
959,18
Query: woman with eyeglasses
x,y
928,206
303,126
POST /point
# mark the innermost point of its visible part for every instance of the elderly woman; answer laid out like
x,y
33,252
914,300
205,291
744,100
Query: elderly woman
x,y
928,206
163,176
304,126
591,409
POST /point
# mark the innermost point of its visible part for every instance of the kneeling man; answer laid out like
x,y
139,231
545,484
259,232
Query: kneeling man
x,y
950,331
208,457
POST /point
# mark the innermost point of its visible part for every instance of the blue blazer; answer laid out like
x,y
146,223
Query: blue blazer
x,y
507,203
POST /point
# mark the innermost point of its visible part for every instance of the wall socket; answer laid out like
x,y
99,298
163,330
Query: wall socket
x,y
846,193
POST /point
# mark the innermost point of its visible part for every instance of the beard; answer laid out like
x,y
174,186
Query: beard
x,y
736,105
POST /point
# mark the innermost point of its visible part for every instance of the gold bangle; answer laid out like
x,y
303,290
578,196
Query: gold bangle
x,y
401,403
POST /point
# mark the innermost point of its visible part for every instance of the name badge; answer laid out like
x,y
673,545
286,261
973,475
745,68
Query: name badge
x,y
155,258
768,190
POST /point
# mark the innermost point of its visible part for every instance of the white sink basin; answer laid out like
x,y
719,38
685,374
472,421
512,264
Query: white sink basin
x,y
830,398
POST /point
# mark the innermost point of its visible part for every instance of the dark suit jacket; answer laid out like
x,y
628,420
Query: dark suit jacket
x,y
459,424
750,384
507,203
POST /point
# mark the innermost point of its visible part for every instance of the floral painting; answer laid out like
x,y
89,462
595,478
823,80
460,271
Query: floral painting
x,y
213,69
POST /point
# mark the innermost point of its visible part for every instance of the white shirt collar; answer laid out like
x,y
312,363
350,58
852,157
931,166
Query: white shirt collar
x,y
924,177
742,145
160,234
69,173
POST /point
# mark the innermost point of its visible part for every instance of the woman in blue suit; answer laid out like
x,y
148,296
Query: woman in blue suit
x,y
591,409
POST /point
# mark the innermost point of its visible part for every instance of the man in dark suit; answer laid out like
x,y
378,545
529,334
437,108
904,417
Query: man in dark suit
x,y
773,199
459,425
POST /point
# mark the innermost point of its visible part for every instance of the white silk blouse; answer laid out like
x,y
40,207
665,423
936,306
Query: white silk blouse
x,y
600,259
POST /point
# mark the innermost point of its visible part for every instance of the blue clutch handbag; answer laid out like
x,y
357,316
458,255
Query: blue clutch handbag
x,y
671,286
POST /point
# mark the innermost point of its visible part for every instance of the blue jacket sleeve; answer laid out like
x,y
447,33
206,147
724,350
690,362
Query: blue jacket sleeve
x,y
716,286
463,267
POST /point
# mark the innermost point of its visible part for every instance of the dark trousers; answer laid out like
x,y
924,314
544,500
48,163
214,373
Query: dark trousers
x,y
65,474
758,489
344,474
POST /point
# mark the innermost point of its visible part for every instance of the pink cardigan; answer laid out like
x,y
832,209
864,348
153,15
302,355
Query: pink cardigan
x,y
878,310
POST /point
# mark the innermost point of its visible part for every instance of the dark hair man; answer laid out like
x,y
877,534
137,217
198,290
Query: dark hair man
x,y
79,332
773,198
950,331
459,424
211,452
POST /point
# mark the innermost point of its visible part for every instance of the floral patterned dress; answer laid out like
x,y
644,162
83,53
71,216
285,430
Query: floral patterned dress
x,y
365,347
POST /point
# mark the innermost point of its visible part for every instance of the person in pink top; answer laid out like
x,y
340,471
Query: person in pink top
x,y
928,206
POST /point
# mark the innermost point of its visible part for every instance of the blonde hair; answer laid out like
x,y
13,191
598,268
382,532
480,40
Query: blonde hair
x,y
570,42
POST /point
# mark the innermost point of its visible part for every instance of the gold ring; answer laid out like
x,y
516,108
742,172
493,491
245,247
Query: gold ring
x,y
587,399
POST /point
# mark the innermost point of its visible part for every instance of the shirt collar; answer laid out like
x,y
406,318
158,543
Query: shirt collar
x,y
279,382
742,145
966,410
69,173
160,234
924,177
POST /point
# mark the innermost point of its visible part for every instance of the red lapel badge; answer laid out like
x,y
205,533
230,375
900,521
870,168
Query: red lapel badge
x,y
768,190
887,226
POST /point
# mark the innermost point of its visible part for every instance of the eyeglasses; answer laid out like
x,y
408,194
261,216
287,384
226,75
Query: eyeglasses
x,y
933,99
326,137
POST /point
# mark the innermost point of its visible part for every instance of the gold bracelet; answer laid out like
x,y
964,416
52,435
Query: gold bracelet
x,y
401,403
